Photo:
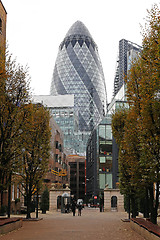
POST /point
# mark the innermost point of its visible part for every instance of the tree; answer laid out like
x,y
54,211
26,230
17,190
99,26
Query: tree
x,y
124,127
143,87
14,93
118,123
45,200
36,146
140,141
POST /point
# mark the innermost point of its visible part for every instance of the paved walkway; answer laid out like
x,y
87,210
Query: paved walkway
x,y
91,225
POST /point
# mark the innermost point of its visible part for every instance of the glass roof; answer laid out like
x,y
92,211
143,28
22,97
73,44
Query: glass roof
x,y
78,28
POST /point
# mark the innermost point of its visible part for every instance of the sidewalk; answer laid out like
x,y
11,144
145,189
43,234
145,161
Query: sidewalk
x,y
93,224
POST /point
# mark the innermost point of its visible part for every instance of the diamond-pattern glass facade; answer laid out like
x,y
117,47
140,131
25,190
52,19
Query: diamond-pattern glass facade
x,y
78,71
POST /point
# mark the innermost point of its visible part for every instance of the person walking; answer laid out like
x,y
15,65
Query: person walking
x,y
79,209
74,208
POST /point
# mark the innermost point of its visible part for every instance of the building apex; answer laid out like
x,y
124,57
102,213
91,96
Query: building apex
x,y
78,28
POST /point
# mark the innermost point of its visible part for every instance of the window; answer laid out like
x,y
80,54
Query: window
x,y
108,132
60,147
105,179
12,192
18,191
102,131
56,144
102,159
71,114
59,160
56,157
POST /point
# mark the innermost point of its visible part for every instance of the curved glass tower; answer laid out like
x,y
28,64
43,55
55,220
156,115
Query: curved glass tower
x,y
78,71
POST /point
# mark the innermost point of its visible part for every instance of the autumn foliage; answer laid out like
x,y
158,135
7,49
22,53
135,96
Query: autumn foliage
x,y
138,136
24,131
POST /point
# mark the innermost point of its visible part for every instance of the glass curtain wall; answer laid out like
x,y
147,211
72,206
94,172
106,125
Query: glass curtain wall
x,y
105,154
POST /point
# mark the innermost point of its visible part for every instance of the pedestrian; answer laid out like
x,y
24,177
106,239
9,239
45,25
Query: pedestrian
x,y
79,209
74,208
68,207
101,207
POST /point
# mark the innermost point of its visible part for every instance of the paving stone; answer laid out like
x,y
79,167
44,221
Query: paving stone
x,y
93,224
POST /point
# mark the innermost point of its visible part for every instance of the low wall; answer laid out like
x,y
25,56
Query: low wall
x,y
143,231
8,225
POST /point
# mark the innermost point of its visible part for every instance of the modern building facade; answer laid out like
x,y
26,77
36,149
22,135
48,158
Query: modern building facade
x,y
3,17
99,159
62,109
77,176
102,150
78,71
128,51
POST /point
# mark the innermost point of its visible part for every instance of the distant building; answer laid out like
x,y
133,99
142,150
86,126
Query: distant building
x,y
102,150
62,109
99,159
77,176
78,71
58,170
128,51
3,17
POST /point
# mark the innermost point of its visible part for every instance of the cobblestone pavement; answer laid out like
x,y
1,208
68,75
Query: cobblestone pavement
x,y
93,224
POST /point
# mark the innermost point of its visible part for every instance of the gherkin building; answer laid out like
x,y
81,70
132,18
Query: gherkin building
x,y
78,71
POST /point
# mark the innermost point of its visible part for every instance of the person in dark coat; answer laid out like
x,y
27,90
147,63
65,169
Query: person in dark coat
x,y
79,209
74,208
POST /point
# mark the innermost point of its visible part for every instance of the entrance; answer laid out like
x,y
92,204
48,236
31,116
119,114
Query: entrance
x,y
114,203
65,203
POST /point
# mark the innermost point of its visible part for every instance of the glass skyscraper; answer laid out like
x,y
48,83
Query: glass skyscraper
x,y
128,51
78,71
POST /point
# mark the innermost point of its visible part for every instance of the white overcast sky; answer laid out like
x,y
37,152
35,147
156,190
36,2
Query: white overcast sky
x,y
35,29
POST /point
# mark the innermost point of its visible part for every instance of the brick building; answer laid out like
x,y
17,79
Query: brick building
x,y
58,168
3,18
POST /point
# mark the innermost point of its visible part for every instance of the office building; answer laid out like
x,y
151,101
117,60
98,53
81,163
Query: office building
x,y
62,109
99,162
102,150
128,51
78,71
77,176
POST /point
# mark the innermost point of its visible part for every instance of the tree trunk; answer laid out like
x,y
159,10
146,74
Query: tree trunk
x,y
129,207
154,204
2,182
28,198
28,206
134,207
9,196
1,197
37,204
146,205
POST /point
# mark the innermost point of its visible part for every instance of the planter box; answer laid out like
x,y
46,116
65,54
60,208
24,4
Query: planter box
x,y
9,224
145,228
